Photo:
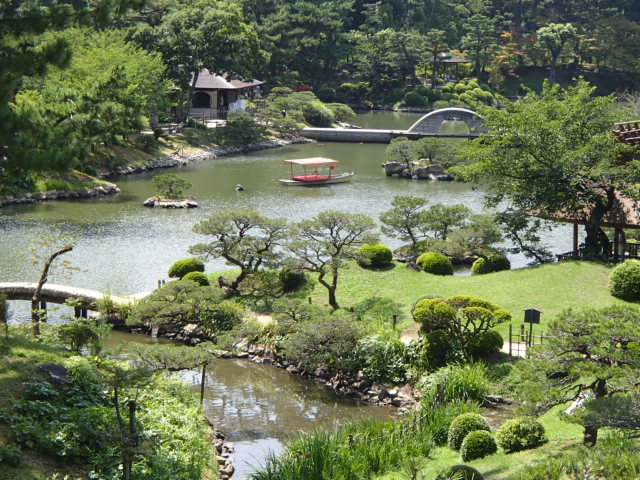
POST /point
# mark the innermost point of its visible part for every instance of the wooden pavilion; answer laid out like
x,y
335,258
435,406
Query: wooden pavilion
x,y
624,215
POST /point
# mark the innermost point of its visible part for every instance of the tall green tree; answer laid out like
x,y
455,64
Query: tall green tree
x,y
555,37
326,242
244,238
436,42
479,41
26,53
591,356
552,153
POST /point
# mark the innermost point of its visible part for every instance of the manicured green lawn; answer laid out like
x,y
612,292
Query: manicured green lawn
x,y
550,288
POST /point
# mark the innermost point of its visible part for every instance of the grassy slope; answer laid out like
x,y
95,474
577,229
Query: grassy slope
x,y
19,360
501,466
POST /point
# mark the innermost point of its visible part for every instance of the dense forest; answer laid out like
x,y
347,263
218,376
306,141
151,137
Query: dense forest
x,y
78,75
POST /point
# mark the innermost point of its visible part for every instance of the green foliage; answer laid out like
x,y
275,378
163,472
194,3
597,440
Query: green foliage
x,y
319,115
487,343
394,95
406,219
558,126
327,94
338,334
464,317
577,360
218,317
491,263
240,129
285,111
374,255
170,185
464,383
436,348
460,472
435,263
342,112
324,243
292,278
352,93
414,99
477,444
84,332
358,450
199,277
463,425
177,304
244,238
624,281
382,358
10,455
187,265
521,434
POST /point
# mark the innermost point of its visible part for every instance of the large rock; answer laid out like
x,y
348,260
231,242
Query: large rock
x,y
393,168
162,203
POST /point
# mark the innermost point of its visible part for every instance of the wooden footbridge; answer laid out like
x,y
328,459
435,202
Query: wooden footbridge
x,y
51,293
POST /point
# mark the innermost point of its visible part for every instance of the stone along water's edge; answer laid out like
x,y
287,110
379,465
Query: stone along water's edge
x,y
177,160
167,161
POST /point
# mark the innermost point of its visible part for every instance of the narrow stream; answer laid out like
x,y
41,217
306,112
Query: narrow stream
x,y
258,407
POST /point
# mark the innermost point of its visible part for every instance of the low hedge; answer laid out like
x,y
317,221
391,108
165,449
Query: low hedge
x,y
374,255
464,424
199,277
494,262
624,281
521,434
477,444
184,266
435,263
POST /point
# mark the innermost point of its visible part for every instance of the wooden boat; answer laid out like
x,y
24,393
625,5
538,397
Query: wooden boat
x,y
309,174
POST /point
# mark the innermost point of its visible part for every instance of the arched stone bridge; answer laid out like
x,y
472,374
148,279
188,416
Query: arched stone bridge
x,y
52,293
427,126
430,123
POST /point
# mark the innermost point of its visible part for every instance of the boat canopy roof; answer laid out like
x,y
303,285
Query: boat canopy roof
x,y
312,162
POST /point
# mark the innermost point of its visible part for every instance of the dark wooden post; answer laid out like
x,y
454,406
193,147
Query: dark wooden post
x,y
616,242
202,382
310,300
77,312
394,321
575,240
510,340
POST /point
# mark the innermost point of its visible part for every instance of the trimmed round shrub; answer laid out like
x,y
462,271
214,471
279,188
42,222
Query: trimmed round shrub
x,y
487,343
394,96
433,314
463,425
414,99
494,262
319,115
460,472
291,279
521,434
198,277
374,255
435,263
184,266
477,444
624,281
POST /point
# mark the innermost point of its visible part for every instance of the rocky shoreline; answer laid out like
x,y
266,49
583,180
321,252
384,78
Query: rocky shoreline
x,y
167,161
357,386
83,193
177,160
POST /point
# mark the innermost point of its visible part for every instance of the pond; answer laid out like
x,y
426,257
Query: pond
x,y
125,248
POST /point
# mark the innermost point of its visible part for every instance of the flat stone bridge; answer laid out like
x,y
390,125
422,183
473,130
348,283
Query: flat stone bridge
x,y
52,293
427,126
